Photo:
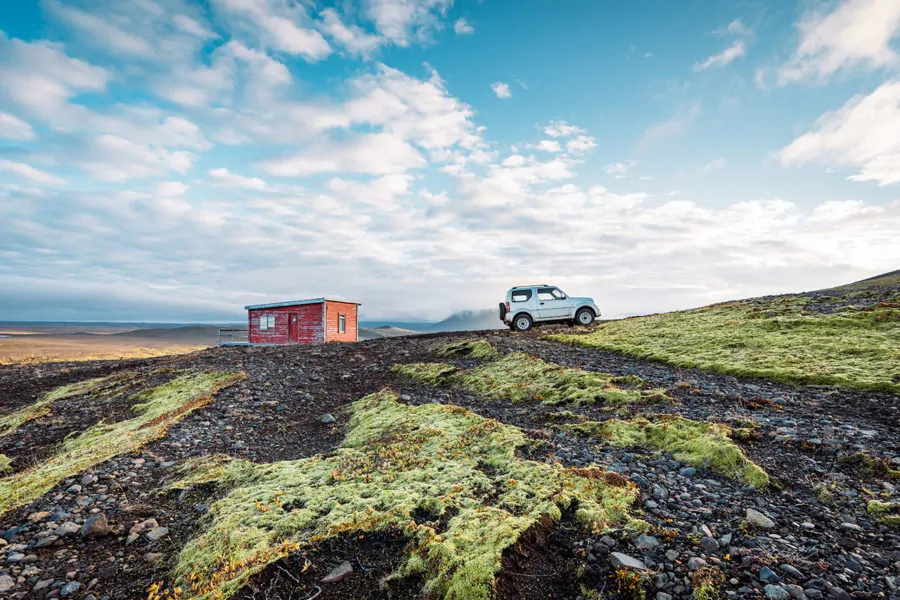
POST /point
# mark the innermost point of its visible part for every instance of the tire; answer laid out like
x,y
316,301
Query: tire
x,y
523,322
585,316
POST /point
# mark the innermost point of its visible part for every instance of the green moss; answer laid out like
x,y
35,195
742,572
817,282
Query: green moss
x,y
775,339
871,465
887,513
430,373
469,349
519,377
396,464
707,583
10,422
692,442
157,410
5,464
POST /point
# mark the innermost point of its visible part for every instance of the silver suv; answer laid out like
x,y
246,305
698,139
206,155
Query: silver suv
x,y
530,305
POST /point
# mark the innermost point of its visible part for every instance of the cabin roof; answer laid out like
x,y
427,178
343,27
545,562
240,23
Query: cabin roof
x,y
298,303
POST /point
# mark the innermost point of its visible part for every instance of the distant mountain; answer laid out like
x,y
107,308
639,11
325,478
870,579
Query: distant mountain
x,y
879,281
469,320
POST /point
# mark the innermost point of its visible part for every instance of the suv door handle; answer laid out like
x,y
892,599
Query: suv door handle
x,y
542,303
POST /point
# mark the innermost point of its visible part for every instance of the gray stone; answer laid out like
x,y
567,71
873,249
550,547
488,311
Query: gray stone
x,y
88,480
663,596
850,527
795,591
69,589
709,545
340,572
68,528
695,562
14,557
757,519
646,542
75,489
96,526
623,561
688,471
6,583
725,539
43,584
153,557
328,418
790,570
768,575
776,592
154,535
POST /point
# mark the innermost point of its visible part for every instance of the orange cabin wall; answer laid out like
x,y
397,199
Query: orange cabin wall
x,y
332,312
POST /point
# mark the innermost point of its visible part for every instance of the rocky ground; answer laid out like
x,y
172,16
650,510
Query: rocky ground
x,y
114,530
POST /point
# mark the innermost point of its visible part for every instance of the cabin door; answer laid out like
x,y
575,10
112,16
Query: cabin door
x,y
294,329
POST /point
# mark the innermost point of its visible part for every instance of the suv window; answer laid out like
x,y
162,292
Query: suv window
x,y
521,295
549,294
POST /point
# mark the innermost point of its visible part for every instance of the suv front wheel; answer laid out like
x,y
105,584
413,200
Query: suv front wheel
x,y
522,322
584,316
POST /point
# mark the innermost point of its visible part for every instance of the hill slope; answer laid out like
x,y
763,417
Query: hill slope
x,y
842,336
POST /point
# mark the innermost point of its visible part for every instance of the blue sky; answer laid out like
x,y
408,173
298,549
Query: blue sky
x,y
175,160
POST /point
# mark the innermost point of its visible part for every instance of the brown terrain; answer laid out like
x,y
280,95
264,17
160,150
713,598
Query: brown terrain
x,y
815,541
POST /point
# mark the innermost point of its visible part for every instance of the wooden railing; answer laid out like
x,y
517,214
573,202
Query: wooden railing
x,y
234,337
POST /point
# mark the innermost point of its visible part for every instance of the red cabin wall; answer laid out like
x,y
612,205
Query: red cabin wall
x,y
332,312
309,325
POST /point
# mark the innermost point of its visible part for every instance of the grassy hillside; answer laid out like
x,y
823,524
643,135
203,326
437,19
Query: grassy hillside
x,y
845,336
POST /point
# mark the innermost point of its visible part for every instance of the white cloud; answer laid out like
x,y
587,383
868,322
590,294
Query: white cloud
x,y
375,153
581,143
352,37
170,189
736,28
854,33
113,158
39,77
405,21
715,165
462,27
676,125
562,129
501,89
223,176
98,30
14,128
28,172
277,23
864,133
548,146
726,57
619,169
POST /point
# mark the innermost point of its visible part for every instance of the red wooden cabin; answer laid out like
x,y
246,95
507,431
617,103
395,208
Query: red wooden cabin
x,y
313,321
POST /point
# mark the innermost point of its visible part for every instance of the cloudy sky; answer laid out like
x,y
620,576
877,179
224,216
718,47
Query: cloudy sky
x,y
174,160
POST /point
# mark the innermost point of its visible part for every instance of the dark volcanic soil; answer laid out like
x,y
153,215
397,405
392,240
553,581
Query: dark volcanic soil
x,y
822,544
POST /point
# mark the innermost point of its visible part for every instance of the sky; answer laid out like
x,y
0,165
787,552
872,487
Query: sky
x,y
174,160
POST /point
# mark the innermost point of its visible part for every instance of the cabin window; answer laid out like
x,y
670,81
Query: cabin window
x,y
266,322
342,323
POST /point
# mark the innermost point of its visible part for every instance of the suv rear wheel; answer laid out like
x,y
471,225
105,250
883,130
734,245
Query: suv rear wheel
x,y
584,316
522,322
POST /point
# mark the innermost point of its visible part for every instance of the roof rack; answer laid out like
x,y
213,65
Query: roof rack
x,y
519,287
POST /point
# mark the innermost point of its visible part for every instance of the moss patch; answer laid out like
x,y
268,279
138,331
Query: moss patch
x,y
441,476
107,385
871,465
887,513
5,464
774,338
481,349
692,442
519,377
157,410
430,373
